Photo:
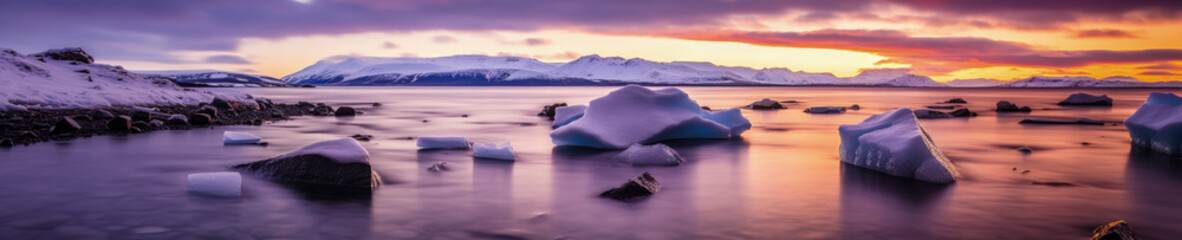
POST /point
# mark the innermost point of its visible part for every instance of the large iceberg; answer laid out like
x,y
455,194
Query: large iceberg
x,y
635,114
341,162
894,143
493,151
1157,124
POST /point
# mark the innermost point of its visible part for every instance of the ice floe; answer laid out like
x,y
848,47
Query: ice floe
x,y
895,143
223,184
234,137
493,151
635,114
1157,124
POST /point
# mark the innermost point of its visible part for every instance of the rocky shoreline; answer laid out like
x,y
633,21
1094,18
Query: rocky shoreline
x,y
41,125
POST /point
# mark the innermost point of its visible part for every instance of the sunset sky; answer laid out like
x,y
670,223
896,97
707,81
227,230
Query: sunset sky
x,y
946,40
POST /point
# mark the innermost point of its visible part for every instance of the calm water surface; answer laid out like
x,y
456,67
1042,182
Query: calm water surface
x,y
781,180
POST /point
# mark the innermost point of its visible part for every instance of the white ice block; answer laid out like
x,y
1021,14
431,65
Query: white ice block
x,y
224,184
493,151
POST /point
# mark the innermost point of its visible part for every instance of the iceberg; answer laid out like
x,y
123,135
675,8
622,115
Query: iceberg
x,y
222,184
649,155
493,151
635,114
341,162
566,115
233,137
1157,124
442,143
1084,99
895,143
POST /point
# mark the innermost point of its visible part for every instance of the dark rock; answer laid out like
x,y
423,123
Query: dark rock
x,y
67,54
220,103
307,86
209,110
707,108
65,125
1025,149
1083,121
1117,230
200,119
963,112
956,100
924,113
789,101
312,168
141,115
438,167
256,122
1084,99
635,189
822,110
548,110
28,135
425,120
179,120
464,116
322,110
377,104
766,104
1006,106
102,114
345,111
41,125
140,124
305,105
360,137
155,124
941,107
7,126
7,143
1052,184
120,123
855,107
277,115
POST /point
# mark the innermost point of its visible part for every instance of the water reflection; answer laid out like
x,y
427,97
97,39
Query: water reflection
x,y
889,207
1153,180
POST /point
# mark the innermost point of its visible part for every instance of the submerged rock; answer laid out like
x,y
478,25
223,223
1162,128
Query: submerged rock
x,y
1084,121
493,151
924,113
345,111
1117,230
649,155
824,109
635,189
1006,106
855,107
222,184
635,114
341,162
963,112
941,107
766,104
442,142
439,167
548,111
956,100
1084,99
1024,149
1157,124
177,119
895,143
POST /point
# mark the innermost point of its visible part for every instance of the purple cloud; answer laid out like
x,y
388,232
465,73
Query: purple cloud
x,y
226,59
1159,73
536,41
1104,33
443,39
1162,66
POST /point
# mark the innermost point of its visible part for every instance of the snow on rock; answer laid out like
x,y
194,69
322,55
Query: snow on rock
x,y
66,54
568,114
341,162
222,184
442,142
649,155
47,82
635,114
895,143
493,151
1157,124
1087,100
233,137
977,82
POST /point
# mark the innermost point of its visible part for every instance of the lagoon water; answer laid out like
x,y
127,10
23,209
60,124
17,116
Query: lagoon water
x,y
781,180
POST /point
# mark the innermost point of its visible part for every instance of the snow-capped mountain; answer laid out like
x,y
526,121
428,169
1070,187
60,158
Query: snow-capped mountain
x,y
68,78
638,70
976,82
1086,82
350,70
215,78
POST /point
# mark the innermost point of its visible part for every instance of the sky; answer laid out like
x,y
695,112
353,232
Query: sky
x,y
965,39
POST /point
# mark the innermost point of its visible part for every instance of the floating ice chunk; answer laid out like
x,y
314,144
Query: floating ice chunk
x,y
1157,124
649,155
566,115
635,114
224,184
233,137
493,151
449,142
894,143
1087,99
344,150
341,162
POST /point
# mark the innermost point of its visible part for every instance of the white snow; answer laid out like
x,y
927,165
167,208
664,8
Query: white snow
x,y
493,151
649,155
30,83
1085,82
234,137
344,150
568,114
635,114
639,70
895,143
216,77
442,142
224,184
1157,124
352,67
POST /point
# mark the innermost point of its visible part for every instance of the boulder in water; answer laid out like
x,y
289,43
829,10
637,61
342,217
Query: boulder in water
x,y
442,142
1084,99
635,189
345,111
963,112
824,110
341,162
924,113
1006,106
766,104
956,100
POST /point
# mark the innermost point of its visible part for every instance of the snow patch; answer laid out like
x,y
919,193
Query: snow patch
x,y
344,150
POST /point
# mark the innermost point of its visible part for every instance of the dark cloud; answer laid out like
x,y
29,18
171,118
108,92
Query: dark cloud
x,y
937,54
1104,33
1159,73
1162,66
389,45
443,39
226,59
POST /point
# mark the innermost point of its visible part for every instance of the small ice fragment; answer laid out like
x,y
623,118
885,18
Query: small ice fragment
x,y
493,151
233,137
565,115
448,142
649,155
223,184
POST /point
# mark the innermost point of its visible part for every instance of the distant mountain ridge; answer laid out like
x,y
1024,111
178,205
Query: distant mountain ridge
x,y
216,78
480,70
